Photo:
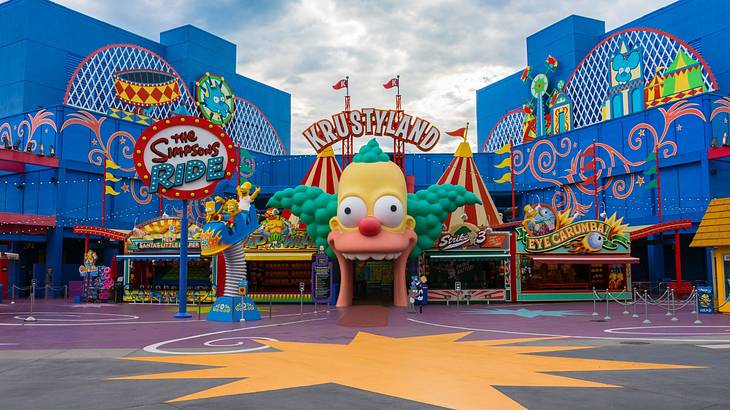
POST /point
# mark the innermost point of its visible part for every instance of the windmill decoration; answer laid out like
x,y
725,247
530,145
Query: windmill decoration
x,y
534,125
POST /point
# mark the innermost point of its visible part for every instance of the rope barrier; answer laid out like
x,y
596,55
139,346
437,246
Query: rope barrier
x,y
667,301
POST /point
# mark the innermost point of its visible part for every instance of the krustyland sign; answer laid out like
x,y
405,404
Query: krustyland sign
x,y
372,121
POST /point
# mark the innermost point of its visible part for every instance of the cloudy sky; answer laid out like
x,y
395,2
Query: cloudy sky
x,y
443,50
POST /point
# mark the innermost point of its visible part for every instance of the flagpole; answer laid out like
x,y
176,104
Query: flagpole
x,y
398,146
103,194
595,179
512,176
658,184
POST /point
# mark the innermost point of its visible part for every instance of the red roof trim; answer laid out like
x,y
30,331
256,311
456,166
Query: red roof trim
x,y
662,227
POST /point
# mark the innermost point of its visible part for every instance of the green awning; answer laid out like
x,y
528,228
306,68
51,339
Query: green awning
x,y
471,255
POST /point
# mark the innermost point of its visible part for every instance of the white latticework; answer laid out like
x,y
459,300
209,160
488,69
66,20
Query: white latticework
x,y
589,84
508,128
91,88
251,130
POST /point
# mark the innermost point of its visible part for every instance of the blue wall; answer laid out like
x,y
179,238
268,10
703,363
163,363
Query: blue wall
x,y
42,43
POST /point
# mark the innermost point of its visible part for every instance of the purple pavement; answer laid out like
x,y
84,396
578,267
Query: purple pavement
x,y
76,326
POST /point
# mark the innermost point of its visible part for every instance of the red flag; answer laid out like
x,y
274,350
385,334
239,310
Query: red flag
x,y
457,133
340,84
393,82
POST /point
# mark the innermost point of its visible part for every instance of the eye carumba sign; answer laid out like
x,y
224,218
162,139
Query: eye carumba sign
x,y
372,121
184,157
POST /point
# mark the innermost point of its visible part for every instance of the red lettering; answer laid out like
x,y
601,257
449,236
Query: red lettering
x,y
161,156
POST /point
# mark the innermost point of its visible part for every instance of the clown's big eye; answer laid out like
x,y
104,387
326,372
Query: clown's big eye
x,y
389,210
351,210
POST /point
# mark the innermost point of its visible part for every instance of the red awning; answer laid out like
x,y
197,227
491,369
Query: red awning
x,y
585,259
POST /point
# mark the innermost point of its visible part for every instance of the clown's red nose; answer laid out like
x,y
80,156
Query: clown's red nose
x,y
369,226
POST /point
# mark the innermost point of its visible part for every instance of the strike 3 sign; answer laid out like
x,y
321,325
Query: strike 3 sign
x,y
184,157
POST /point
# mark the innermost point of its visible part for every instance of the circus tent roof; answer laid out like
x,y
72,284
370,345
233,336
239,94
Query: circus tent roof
x,y
463,171
325,172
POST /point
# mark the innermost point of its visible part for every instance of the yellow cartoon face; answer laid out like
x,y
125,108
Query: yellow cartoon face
x,y
231,206
372,197
210,208
245,188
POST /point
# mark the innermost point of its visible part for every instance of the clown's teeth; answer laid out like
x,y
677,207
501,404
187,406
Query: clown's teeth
x,y
373,256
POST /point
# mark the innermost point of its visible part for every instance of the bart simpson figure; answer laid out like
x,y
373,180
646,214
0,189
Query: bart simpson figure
x,y
213,211
245,197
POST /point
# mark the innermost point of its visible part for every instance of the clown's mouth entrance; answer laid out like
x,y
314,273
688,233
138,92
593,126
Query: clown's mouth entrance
x,y
373,283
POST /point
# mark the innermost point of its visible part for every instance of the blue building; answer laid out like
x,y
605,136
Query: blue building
x,y
646,95
75,93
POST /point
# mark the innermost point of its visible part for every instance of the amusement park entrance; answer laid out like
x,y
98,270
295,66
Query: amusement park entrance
x,y
373,283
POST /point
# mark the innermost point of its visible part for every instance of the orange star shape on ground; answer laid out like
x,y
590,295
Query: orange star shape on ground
x,y
464,374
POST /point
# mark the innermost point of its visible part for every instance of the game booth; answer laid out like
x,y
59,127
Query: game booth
x,y
469,263
279,257
152,263
560,259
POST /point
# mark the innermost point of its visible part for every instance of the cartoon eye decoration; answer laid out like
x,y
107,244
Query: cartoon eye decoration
x,y
544,212
595,241
389,210
351,210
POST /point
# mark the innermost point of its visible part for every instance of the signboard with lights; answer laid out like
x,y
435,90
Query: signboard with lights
x,y
184,157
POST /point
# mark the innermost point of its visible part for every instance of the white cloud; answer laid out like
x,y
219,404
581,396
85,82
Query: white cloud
x,y
443,50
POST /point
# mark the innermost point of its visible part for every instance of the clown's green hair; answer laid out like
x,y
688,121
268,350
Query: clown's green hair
x,y
429,207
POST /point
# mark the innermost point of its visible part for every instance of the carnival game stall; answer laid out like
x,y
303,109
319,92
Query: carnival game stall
x,y
152,263
559,259
469,263
279,256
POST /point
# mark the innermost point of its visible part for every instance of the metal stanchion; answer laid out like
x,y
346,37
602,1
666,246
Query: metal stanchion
x,y
633,297
45,295
594,303
671,294
30,317
626,304
270,309
301,298
12,294
674,309
697,308
65,293
607,317
646,309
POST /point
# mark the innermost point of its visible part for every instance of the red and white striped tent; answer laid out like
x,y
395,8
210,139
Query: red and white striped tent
x,y
325,172
463,171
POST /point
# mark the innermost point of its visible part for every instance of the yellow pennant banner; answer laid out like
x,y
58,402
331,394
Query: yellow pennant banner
x,y
110,191
110,177
111,164
504,150
505,178
507,162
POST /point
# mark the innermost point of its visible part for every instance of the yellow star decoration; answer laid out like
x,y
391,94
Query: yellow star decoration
x,y
464,374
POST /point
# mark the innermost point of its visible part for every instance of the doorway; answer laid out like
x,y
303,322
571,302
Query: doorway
x,y
373,283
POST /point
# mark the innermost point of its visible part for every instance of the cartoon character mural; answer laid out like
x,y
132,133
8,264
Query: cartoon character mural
x,y
372,217
215,99
97,280
626,93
